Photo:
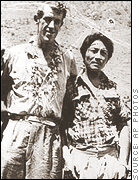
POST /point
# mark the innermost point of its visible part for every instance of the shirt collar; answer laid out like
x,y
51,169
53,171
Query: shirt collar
x,y
108,93
83,75
83,78
35,51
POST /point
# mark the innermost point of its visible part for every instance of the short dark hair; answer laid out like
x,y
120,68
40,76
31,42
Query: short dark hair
x,y
59,7
93,37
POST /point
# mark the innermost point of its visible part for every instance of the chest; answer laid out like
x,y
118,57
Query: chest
x,y
92,106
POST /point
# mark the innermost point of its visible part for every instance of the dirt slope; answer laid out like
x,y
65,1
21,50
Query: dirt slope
x,y
83,18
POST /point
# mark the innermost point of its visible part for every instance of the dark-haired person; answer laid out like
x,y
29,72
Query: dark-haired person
x,y
95,118
31,144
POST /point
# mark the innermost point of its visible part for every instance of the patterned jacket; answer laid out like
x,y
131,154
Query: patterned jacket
x,y
93,116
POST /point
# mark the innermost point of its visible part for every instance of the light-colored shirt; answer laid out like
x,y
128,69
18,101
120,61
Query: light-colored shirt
x,y
38,88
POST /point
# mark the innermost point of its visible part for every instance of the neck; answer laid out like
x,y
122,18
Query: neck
x,y
46,47
93,74
94,77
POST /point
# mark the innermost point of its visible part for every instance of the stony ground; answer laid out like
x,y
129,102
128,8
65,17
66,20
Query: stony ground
x,y
83,18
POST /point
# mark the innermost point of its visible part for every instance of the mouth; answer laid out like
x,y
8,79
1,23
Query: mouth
x,y
48,32
94,63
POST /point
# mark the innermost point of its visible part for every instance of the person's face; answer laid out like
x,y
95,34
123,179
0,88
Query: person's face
x,y
96,56
50,25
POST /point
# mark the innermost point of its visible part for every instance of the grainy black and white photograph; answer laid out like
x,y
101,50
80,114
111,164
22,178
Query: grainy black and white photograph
x,y
66,90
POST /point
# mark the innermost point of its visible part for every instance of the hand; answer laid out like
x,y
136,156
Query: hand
x,y
73,134
66,151
67,157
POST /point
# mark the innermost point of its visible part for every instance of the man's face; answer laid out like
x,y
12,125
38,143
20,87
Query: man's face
x,y
96,56
50,25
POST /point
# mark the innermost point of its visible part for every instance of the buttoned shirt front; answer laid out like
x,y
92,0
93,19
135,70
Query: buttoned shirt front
x,y
38,88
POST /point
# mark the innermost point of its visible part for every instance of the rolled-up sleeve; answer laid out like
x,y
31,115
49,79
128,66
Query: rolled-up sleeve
x,y
70,63
6,80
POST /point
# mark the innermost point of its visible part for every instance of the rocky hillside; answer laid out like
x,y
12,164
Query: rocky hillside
x,y
113,18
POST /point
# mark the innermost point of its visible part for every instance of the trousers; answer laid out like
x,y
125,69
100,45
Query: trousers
x,y
30,150
92,164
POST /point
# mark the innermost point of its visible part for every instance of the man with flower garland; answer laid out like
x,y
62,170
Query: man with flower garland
x,y
31,144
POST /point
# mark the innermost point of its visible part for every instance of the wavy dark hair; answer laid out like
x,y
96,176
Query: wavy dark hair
x,y
93,37
58,7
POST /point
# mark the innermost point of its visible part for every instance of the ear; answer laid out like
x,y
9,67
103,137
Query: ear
x,y
39,15
35,18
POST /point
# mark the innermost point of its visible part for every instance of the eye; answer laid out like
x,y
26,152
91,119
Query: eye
x,y
93,50
47,19
104,52
57,21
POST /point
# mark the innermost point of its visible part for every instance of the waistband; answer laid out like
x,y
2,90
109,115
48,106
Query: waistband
x,y
99,150
50,121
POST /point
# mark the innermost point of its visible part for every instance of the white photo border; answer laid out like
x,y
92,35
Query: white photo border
x,y
135,91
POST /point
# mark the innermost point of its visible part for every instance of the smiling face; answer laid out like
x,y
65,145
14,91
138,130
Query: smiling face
x,y
96,56
50,25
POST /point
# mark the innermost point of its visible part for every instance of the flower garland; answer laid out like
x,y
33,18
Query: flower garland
x,y
43,85
55,59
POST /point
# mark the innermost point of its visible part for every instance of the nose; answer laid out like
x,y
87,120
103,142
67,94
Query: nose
x,y
98,55
51,25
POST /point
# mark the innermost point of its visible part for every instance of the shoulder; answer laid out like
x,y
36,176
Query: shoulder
x,y
69,59
66,52
15,54
112,84
19,48
108,83
69,54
